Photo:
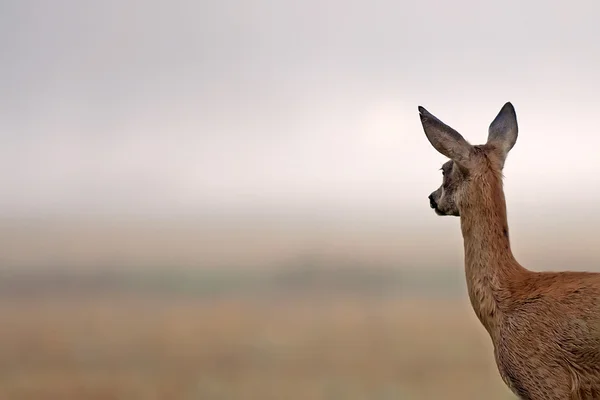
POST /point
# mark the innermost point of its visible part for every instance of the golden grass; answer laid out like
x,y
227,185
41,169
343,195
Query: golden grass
x,y
115,347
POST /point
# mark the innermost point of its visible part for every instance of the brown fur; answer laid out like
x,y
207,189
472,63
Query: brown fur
x,y
545,326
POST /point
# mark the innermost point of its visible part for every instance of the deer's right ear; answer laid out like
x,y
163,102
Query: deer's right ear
x,y
445,139
504,130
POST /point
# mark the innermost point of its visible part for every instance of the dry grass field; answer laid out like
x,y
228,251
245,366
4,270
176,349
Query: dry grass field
x,y
133,347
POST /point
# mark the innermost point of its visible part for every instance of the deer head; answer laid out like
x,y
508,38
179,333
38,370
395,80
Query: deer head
x,y
469,164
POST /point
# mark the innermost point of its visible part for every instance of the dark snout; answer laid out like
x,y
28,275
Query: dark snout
x,y
432,202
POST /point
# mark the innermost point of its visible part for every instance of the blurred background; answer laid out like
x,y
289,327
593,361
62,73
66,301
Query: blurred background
x,y
228,199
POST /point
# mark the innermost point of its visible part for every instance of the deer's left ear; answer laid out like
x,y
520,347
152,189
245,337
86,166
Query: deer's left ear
x,y
504,130
444,139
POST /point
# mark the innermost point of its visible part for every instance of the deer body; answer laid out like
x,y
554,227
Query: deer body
x,y
544,326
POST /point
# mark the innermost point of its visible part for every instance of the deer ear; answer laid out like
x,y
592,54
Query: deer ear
x,y
504,130
445,139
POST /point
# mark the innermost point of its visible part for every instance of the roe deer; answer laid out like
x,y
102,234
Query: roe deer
x,y
544,326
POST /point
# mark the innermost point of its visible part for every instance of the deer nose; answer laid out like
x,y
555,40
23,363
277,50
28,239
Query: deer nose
x,y
432,202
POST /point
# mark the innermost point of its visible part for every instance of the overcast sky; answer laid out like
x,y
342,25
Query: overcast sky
x,y
182,107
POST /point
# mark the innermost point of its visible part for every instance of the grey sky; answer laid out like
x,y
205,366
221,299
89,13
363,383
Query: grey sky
x,y
185,107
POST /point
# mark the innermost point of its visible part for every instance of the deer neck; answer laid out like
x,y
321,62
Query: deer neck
x,y
489,261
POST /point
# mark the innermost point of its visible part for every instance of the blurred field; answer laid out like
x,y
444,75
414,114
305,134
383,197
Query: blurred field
x,y
312,344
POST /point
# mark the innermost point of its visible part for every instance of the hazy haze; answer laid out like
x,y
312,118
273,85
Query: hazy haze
x,y
283,109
